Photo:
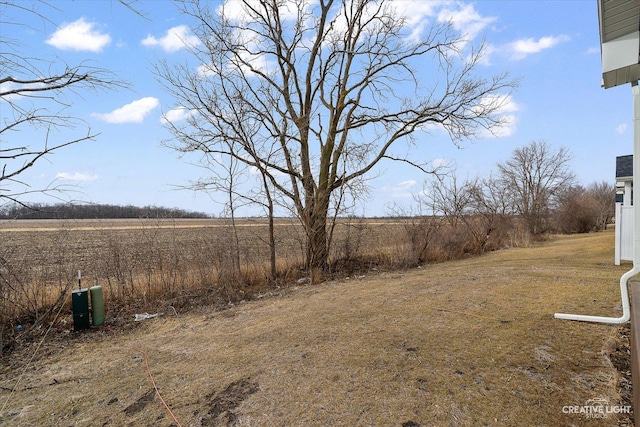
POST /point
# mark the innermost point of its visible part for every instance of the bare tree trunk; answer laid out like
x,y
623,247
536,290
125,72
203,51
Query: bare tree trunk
x,y
272,236
272,246
316,228
236,249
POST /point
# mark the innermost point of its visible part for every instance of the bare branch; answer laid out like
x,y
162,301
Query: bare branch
x,y
34,95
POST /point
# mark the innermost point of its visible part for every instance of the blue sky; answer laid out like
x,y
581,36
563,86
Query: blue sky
x,y
552,45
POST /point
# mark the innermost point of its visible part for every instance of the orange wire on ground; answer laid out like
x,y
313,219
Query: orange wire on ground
x,y
153,382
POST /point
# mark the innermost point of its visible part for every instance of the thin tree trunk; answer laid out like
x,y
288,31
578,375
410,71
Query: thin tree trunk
x,y
232,209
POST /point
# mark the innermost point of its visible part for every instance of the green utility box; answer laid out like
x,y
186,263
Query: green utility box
x,y
80,305
97,305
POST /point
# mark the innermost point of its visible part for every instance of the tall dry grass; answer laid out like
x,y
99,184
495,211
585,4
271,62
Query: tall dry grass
x,y
149,264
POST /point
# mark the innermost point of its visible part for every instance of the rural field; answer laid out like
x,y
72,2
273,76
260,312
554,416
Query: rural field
x,y
470,342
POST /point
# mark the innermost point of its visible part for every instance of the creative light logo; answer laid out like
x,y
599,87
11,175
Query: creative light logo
x,y
596,408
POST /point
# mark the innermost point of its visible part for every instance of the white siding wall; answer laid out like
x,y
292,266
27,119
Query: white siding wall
x,y
624,233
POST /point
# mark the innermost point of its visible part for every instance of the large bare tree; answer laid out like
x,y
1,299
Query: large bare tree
x,y
534,177
314,94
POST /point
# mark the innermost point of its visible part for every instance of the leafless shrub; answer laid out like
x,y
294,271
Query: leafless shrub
x,y
581,210
349,238
422,233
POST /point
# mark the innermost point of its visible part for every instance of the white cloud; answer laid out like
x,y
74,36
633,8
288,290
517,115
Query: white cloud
x,y
245,61
175,39
79,35
505,103
176,115
236,10
621,128
416,14
504,107
507,128
406,184
522,48
401,190
466,20
134,112
76,176
439,163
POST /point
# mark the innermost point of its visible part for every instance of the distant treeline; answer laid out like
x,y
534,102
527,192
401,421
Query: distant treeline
x,y
71,211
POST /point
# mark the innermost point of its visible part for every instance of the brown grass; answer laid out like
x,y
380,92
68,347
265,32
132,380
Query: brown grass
x,y
463,343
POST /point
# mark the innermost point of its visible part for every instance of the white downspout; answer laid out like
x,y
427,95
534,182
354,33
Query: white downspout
x,y
624,291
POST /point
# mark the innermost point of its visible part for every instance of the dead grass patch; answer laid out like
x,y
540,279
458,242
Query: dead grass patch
x,y
463,343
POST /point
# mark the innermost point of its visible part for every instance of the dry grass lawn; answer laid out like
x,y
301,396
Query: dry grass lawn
x,y
465,343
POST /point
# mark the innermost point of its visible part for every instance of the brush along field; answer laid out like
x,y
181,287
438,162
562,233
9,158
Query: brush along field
x,y
141,262
463,343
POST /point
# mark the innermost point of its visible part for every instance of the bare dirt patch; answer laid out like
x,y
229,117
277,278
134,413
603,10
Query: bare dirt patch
x,y
464,343
618,350
225,402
